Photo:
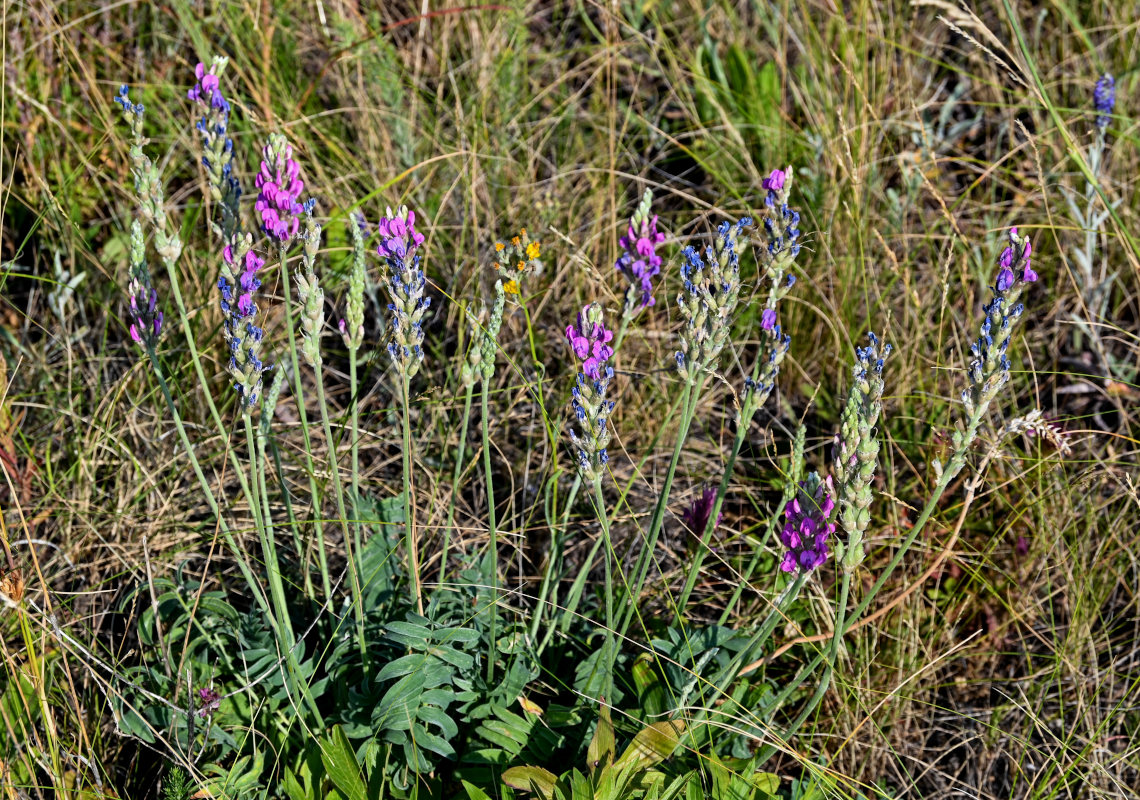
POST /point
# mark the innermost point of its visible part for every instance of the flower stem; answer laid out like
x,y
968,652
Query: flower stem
x,y
641,569
554,562
353,566
409,508
298,390
603,518
491,570
354,443
457,474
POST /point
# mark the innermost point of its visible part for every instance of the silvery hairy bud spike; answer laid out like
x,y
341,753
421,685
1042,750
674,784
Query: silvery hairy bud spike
x,y
857,449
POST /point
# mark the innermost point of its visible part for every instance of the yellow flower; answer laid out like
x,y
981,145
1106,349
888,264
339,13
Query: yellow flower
x,y
511,287
515,241
521,266
522,232
495,265
499,247
532,250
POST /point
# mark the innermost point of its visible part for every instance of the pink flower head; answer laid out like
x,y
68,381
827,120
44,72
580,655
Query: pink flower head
x,y
775,181
279,187
768,319
398,236
590,341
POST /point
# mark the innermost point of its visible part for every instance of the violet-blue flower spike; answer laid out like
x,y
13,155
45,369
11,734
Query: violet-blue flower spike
x,y
806,527
639,260
990,369
1104,98
238,285
218,147
589,341
279,188
399,248
707,304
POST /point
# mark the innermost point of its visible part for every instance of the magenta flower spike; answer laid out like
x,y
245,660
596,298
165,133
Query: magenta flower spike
x,y
806,527
279,188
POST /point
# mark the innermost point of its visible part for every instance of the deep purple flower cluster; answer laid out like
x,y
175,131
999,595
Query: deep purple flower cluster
x,y
806,525
279,187
209,701
238,283
218,147
696,516
590,343
639,261
1104,98
399,246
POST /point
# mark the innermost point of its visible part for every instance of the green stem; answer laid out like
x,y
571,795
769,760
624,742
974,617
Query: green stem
x,y
554,562
298,391
621,333
603,518
353,566
641,569
264,524
354,443
208,492
409,508
188,333
710,525
457,474
491,572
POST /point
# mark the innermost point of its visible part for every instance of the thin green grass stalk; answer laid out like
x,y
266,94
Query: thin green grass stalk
x,y
621,333
299,394
491,573
39,670
457,474
691,395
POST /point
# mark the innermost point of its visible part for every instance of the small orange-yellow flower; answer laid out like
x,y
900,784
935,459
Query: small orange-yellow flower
x,y
499,247
511,287
521,266
532,250
515,241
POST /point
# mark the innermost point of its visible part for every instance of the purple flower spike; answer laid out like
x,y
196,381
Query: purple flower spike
x,y
639,260
768,319
279,187
398,236
806,525
773,183
696,516
1104,98
590,343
